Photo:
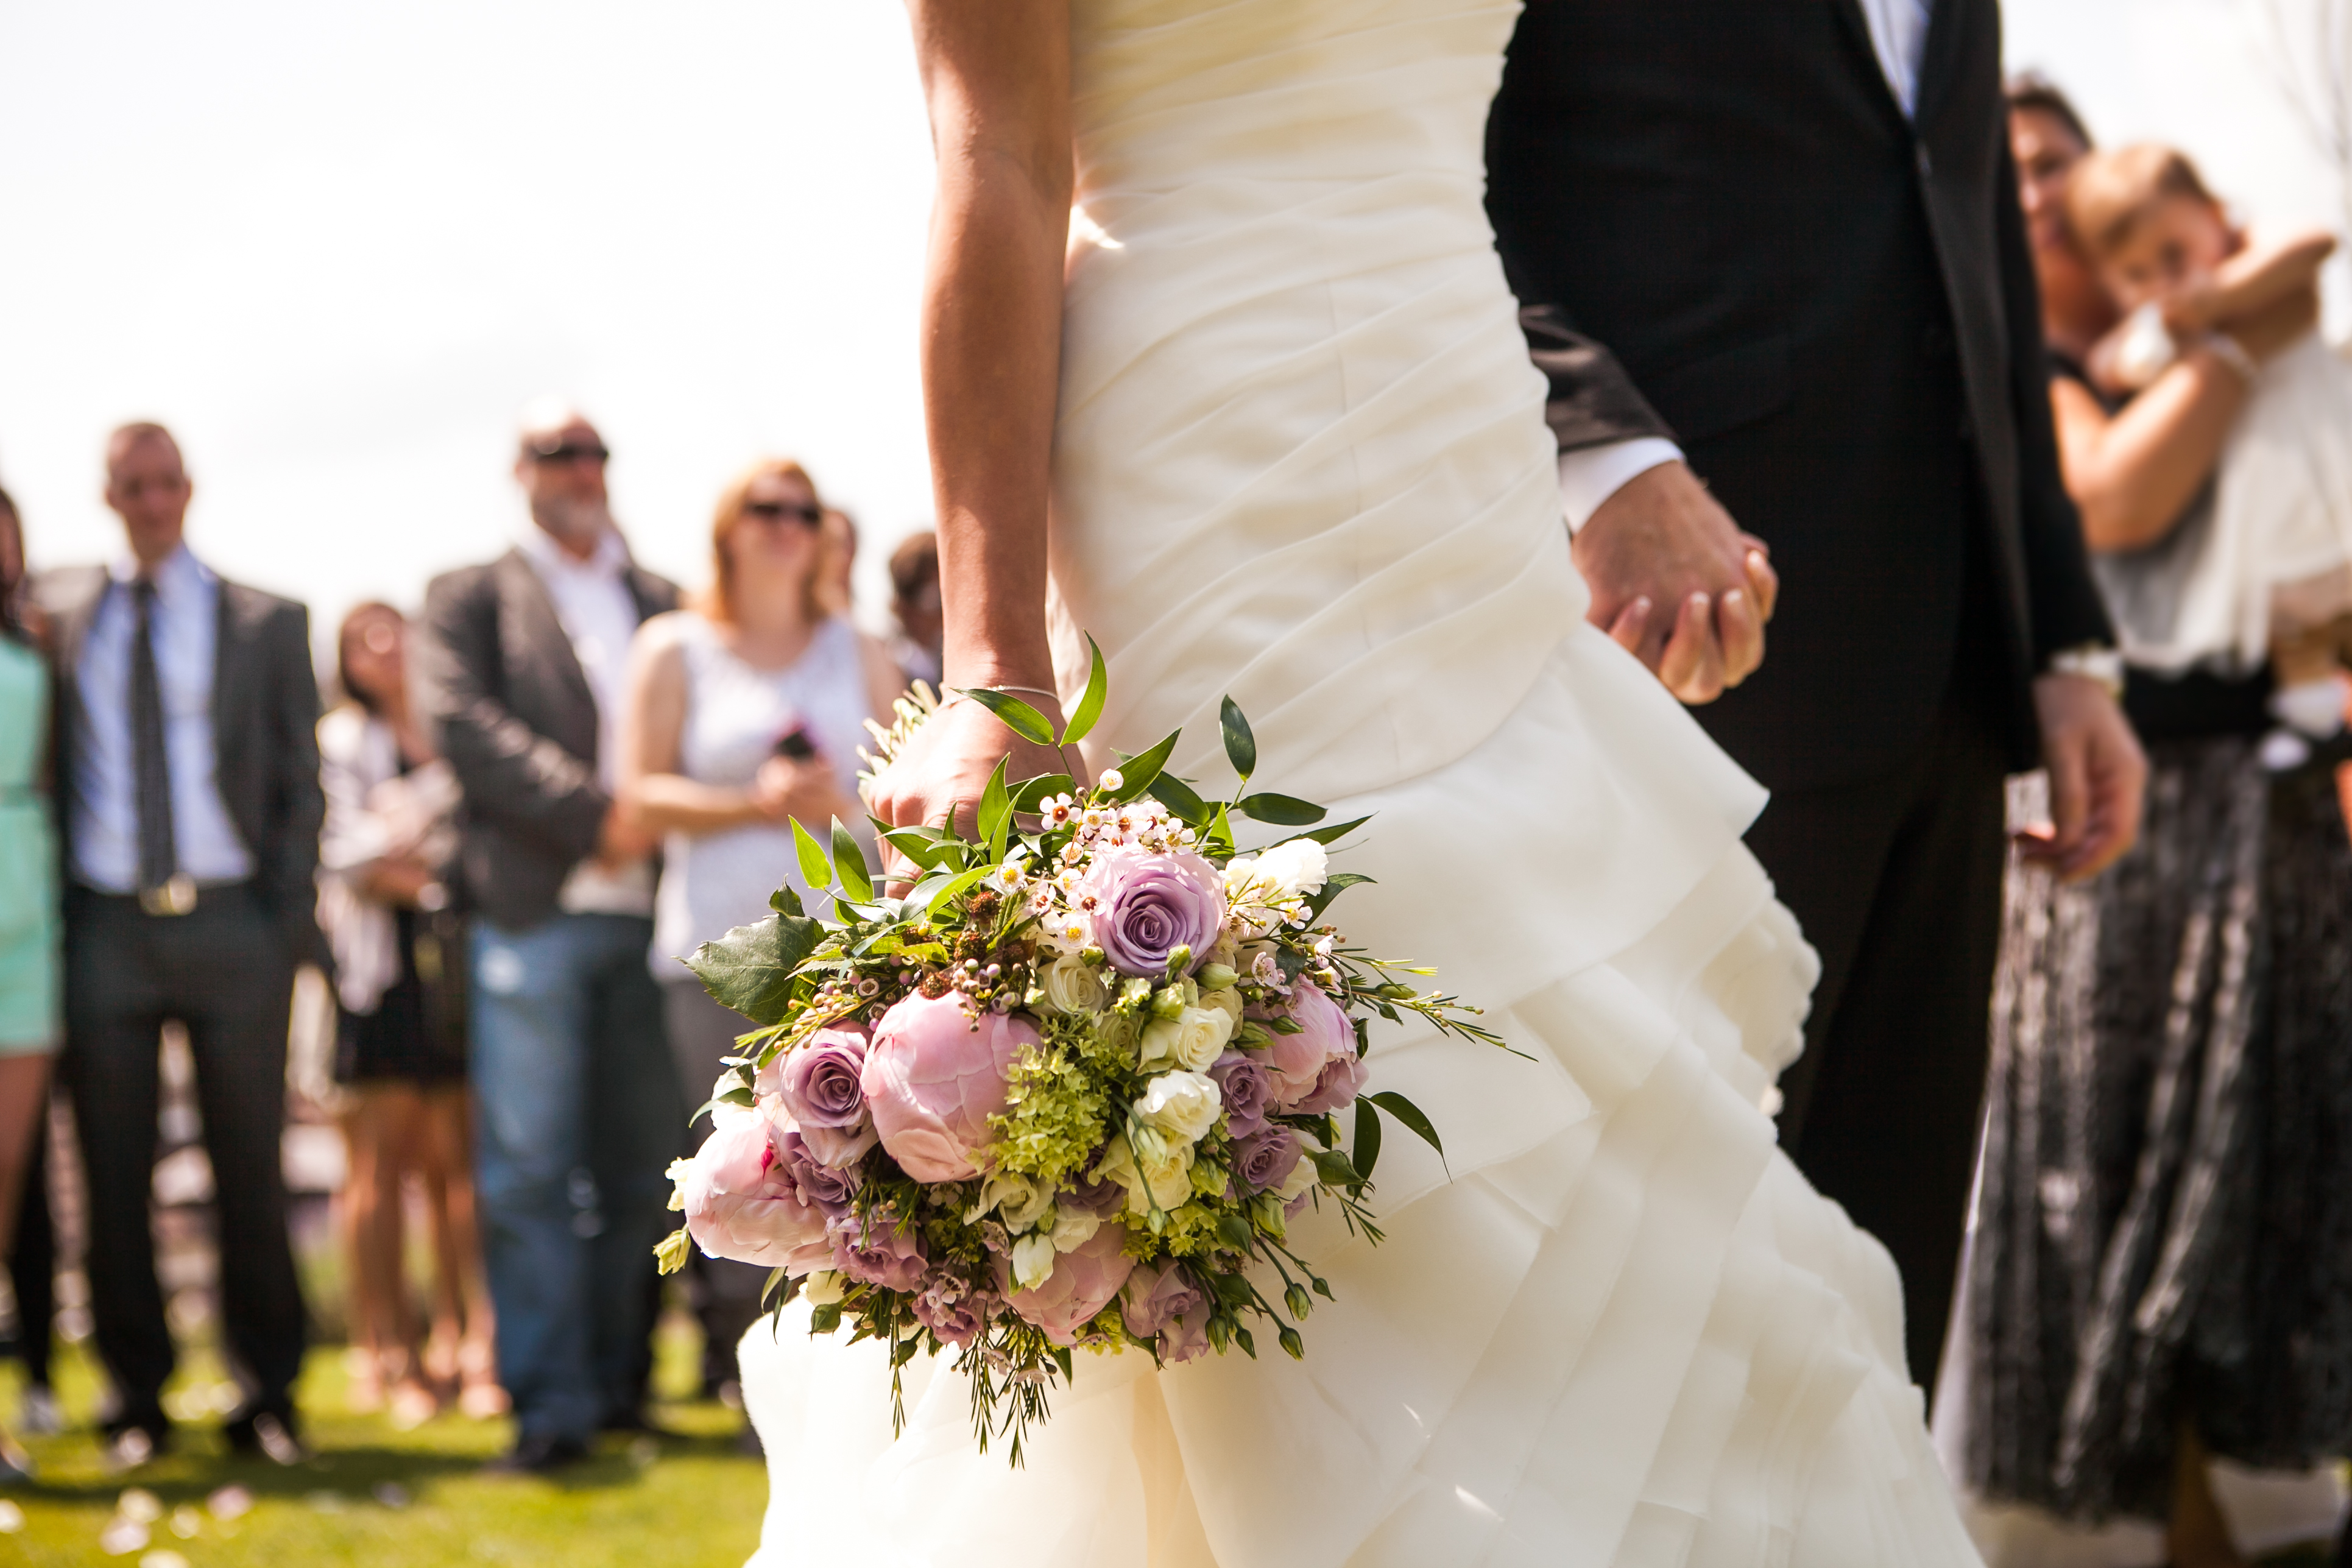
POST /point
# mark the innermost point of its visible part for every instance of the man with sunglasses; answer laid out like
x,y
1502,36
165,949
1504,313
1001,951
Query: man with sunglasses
x,y
520,669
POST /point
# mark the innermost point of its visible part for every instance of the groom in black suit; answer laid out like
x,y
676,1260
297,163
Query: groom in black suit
x,y
1775,271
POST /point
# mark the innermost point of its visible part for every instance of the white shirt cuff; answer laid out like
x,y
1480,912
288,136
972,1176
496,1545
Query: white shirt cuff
x,y
1590,475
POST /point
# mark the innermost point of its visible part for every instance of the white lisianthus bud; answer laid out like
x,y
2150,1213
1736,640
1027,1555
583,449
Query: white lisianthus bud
x,y
1074,1227
1182,1105
1032,1261
824,1287
1302,1176
1071,985
1165,1168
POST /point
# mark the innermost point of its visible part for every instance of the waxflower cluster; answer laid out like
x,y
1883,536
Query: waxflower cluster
x,y
1068,1092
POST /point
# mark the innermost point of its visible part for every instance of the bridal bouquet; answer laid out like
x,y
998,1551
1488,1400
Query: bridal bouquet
x,y
1063,1094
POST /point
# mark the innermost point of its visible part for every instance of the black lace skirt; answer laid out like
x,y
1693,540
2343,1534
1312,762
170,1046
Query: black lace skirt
x,y
2164,1215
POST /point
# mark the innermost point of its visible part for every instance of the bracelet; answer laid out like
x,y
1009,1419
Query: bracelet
x,y
2231,352
2091,661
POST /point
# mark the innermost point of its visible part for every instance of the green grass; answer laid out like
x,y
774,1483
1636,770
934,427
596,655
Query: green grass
x,y
388,1498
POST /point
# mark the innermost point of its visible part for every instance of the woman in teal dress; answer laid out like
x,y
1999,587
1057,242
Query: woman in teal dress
x,y
28,901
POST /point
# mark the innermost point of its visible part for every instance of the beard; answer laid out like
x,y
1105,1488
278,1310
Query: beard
x,y
577,523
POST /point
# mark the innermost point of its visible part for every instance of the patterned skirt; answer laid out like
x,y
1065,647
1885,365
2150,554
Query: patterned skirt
x,y
2163,1226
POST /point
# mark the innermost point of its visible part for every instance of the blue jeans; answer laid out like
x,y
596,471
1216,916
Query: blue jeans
x,y
579,1116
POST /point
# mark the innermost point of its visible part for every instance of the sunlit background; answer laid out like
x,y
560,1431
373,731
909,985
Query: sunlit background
x,y
335,246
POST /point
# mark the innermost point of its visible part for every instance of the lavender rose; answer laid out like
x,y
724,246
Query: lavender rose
x,y
819,1185
933,1076
1343,1080
740,1203
1148,905
1297,1059
874,1250
1266,1159
1248,1092
819,1084
1083,1282
1159,1302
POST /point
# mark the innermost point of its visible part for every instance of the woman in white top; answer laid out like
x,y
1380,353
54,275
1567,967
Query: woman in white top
x,y
743,714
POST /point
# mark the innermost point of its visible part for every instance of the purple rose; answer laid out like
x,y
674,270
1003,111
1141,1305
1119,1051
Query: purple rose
x,y
1343,1080
819,1084
819,1185
952,1309
875,1251
1323,1035
1267,1159
1247,1092
1145,906
934,1076
1161,1303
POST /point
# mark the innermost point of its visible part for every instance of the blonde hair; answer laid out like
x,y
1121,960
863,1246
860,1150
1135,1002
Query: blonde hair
x,y
719,605
2109,193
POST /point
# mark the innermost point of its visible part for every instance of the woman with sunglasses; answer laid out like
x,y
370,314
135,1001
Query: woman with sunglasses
x,y
742,713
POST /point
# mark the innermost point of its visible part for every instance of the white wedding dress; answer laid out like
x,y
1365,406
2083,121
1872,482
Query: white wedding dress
x,y
1301,459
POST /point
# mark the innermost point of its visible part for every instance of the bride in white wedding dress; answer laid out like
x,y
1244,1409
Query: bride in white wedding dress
x,y
1276,401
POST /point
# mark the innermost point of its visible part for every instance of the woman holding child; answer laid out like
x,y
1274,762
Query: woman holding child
x,y
2159,1258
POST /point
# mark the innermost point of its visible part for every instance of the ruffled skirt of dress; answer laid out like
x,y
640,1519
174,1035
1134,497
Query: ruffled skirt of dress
x,y
1622,1330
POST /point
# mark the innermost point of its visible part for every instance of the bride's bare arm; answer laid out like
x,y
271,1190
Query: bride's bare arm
x,y
997,74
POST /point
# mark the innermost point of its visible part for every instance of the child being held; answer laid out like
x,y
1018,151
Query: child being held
x,y
2269,570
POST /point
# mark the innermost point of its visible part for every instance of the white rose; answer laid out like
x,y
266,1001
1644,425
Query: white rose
x,y
1166,1168
1229,1003
1181,1105
1018,1199
1074,1227
1193,1040
1072,986
1294,869
822,1287
1032,1261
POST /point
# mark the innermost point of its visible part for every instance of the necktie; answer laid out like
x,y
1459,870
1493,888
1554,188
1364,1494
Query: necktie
x,y
159,857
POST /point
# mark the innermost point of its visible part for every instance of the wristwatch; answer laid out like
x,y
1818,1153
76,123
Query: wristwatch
x,y
2092,661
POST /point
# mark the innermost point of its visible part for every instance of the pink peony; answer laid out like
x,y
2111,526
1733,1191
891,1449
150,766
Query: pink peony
x,y
740,1202
1159,1302
1083,1282
933,1076
1298,1059
877,1251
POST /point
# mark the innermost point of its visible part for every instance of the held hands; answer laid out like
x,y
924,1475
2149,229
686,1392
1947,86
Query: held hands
x,y
1676,583
2096,775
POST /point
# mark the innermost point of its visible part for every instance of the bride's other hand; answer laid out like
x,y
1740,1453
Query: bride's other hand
x,y
1676,583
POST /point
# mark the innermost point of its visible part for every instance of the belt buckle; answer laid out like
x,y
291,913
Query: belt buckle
x,y
175,897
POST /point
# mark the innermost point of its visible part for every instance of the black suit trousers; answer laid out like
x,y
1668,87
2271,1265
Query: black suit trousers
x,y
223,972
1896,881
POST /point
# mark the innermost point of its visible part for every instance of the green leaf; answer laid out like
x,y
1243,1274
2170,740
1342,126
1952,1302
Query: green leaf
x,y
751,968
1281,810
955,886
1406,1111
919,845
849,861
1032,792
785,901
1332,834
1240,746
1138,772
1179,797
1367,1151
1090,705
1337,883
815,869
995,804
1018,716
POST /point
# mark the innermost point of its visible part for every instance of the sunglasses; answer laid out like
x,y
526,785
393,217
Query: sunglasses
x,y
570,454
777,511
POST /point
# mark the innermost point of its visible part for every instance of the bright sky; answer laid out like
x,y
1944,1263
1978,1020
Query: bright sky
x,y
336,246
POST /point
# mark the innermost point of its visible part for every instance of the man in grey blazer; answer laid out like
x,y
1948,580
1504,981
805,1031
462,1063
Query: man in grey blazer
x,y
520,669
188,764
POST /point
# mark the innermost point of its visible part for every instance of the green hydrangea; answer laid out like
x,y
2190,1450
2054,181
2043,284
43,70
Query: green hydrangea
x,y
1056,1110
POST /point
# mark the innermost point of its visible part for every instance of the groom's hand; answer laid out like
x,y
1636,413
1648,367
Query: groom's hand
x,y
1676,583
2098,772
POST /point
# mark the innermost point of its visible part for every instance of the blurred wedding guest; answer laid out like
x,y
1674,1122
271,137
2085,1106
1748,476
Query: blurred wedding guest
x,y
400,966
835,589
29,990
744,712
188,763
517,671
915,604
2161,1257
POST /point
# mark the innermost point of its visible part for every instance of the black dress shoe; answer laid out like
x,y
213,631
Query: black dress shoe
x,y
537,1456
267,1433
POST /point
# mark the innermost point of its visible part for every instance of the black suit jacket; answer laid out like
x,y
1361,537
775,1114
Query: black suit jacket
x,y
1833,310
496,675
265,732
